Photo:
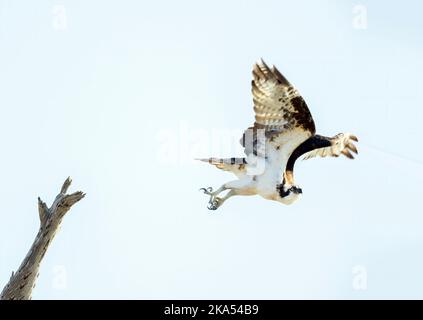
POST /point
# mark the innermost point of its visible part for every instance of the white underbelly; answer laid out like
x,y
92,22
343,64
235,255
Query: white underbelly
x,y
266,174
266,183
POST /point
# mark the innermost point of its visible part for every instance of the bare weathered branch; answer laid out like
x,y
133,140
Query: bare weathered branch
x,y
66,185
23,280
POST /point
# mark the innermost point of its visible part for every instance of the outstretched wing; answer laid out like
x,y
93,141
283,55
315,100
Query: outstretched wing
x,y
281,114
320,146
340,144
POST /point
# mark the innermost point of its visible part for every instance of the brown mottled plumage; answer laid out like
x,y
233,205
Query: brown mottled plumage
x,y
279,110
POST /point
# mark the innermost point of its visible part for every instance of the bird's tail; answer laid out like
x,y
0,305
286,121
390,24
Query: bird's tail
x,y
234,165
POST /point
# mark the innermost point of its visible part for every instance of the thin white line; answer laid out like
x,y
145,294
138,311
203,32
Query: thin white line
x,y
391,153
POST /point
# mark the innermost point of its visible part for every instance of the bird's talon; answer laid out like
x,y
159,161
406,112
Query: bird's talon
x,y
207,190
211,206
214,203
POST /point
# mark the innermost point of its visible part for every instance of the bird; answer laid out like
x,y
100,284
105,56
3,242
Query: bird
x,y
283,131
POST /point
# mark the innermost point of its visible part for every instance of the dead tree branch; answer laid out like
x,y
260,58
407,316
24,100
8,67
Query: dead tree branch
x,y
23,280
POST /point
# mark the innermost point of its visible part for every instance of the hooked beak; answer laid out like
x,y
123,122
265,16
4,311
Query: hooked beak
x,y
296,190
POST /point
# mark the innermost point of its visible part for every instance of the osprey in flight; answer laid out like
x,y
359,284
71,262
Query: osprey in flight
x,y
283,131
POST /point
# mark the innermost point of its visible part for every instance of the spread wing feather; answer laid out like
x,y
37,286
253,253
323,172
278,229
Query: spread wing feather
x,y
282,117
340,144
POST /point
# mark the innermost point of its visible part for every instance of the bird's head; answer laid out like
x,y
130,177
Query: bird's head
x,y
288,194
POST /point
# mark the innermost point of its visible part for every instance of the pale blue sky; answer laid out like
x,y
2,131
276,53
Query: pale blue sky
x,y
93,99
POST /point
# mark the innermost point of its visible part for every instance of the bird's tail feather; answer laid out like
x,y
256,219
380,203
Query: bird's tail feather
x,y
235,165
